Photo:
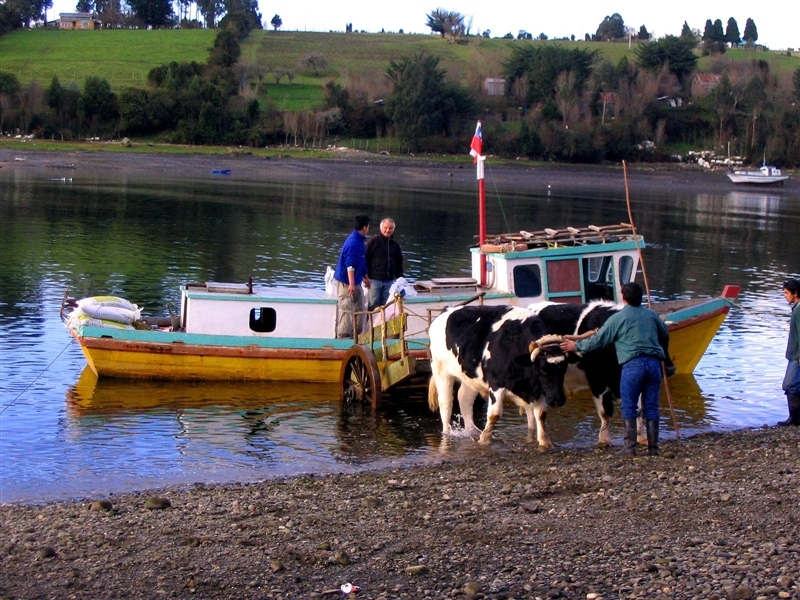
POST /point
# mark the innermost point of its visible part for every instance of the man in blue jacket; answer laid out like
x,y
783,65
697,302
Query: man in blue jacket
x,y
639,337
351,270
791,381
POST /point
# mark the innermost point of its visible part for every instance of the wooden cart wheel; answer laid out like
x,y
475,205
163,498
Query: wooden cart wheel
x,y
361,380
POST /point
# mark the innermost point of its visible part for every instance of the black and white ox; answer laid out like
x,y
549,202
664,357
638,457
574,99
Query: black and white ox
x,y
598,369
499,352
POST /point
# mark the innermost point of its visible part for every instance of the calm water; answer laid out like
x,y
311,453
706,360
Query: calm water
x,y
63,434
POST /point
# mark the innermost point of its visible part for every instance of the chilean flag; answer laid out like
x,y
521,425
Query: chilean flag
x,y
476,147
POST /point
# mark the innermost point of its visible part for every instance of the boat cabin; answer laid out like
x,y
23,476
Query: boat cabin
x,y
573,265
569,265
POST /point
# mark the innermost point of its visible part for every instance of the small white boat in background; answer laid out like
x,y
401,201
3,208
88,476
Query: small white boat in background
x,y
766,175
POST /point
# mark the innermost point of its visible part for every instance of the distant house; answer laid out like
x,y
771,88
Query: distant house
x,y
77,20
703,83
494,86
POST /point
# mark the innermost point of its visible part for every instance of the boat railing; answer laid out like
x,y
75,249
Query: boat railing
x,y
392,329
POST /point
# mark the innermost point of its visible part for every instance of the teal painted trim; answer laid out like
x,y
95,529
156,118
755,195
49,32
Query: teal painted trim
x,y
196,339
691,312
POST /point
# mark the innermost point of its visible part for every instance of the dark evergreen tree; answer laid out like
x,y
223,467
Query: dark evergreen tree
x,y
750,34
276,22
422,104
686,31
210,9
643,34
153,13
97,104
673,51
16,14
732,32
541,66
612,28
226,49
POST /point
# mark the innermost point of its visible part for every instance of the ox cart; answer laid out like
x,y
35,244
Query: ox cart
x,y
388,357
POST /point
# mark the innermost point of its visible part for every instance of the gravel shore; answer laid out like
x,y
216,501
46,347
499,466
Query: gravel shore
x,y
716,517
363,168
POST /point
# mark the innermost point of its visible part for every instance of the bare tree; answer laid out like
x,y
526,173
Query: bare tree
x,y
567,97
315,63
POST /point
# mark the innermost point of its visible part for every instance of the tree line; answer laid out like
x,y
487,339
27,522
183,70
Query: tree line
x,y
558,103
18,14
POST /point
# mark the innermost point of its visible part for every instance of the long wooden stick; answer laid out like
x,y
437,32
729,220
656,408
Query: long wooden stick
x,y
649,303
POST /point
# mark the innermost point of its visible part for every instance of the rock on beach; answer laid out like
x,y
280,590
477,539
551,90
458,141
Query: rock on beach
x,y
719,520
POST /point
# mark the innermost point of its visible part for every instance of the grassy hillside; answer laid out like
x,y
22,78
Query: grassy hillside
x,y
122,56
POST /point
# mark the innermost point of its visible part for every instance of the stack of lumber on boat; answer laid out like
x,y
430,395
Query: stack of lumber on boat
x,y
555,238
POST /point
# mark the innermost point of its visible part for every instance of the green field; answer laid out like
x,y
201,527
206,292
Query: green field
x,y
121,56
124,57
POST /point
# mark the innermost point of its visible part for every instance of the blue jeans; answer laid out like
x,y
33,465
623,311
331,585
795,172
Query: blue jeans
x,y
791,381
640,375
378,293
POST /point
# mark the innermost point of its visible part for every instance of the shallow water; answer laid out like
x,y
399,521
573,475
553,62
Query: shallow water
x,y
65,435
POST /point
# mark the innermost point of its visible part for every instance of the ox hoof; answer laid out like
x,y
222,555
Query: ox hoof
x,y
542,448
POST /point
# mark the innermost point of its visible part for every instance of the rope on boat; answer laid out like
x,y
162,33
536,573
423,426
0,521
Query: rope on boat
x,y
499,200
27,387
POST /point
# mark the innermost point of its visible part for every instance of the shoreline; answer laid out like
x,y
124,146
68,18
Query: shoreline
x,y
716,517
360,167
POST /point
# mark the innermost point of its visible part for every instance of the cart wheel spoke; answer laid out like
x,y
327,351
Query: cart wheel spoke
x,y
360,377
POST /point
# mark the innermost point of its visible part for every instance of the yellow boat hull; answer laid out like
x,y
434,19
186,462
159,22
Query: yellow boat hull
x,y
113,358
688,343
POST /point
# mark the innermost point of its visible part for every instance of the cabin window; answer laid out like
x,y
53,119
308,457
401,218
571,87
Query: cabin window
x,y
625,270
262,319
564,280
527,281
598,276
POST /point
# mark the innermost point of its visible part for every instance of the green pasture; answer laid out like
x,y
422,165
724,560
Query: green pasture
x,y
779,62
124,57
121,56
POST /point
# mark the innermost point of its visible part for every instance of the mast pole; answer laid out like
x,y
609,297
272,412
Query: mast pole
x,y
481,217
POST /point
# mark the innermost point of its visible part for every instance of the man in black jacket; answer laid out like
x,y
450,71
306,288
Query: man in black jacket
x,y
384,264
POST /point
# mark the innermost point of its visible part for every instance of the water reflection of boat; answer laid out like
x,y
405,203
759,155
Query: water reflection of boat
x,y
753,200
90,396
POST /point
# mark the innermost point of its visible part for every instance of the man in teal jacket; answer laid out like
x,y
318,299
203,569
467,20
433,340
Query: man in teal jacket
x,y
791,381
639,336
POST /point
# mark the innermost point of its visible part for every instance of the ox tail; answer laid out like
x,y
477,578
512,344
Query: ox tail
x,y
433,395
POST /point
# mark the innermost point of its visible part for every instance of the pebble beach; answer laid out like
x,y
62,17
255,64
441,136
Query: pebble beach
x,y
717,516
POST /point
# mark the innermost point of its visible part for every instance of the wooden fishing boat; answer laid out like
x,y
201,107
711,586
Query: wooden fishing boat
x,y
240,331
229,331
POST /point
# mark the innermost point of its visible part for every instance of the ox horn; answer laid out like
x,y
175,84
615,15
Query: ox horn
x,y
582,336
548,340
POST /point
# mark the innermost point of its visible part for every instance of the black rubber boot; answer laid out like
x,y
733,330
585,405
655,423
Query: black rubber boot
x,y
652,438
794,411
629,440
